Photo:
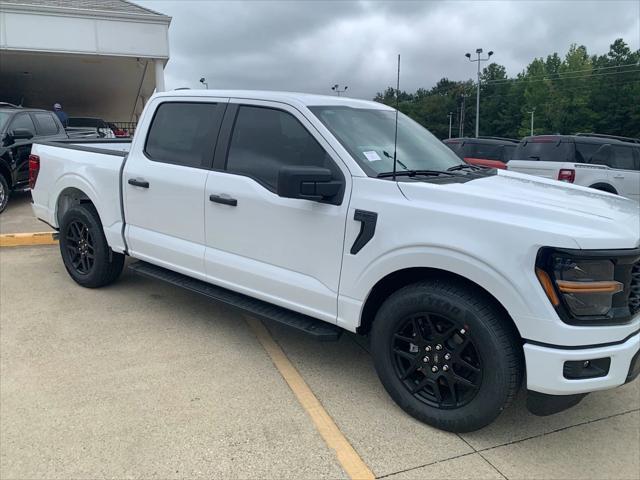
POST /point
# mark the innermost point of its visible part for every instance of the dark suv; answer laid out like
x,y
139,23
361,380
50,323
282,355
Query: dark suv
x,y
19,129
493,152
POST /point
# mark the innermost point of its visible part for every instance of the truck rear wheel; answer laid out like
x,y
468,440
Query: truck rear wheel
x,y
445,355
85,252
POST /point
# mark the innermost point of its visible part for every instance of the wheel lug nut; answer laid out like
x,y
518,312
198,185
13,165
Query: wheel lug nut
x,y
445,368
428,348
447,356
438,347
425,359
434,369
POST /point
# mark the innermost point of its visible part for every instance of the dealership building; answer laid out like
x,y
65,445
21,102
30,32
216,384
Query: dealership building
x,y
98,58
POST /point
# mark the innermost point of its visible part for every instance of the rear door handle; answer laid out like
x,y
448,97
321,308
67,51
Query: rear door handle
x,y
138,183
223,200
618,176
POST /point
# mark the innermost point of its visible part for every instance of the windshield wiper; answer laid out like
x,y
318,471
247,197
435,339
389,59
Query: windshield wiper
x,y
386,154
464,166
413,173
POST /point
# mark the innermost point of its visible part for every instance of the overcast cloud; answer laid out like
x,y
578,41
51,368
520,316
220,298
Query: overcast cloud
x,y
310,45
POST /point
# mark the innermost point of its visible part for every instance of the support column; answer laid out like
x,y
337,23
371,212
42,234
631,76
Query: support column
x,y
159,71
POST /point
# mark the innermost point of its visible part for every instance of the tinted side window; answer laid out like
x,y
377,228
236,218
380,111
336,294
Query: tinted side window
x,y
507,152
22,120
265,139
184,133
623,158
46,124
584,151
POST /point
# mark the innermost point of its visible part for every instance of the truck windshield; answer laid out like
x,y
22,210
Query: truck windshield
x,y
368,135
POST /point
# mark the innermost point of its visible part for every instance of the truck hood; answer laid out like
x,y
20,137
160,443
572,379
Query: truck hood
x,y
593,219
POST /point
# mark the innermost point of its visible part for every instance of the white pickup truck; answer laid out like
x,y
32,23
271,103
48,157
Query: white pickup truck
x,y
606,163
286,205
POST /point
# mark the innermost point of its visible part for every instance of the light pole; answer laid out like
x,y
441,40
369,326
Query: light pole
x,y
336,88
204,83
450,115
479,60
532,112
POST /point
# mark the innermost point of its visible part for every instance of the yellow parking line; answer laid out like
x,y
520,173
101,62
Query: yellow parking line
x,y
25,239
351,462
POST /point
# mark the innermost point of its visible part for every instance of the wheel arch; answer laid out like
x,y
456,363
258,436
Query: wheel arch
x,y
604,187
69,197
398,279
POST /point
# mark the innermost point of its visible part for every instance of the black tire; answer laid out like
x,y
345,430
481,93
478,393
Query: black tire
x,y
604,187
84,249
456,322
4,193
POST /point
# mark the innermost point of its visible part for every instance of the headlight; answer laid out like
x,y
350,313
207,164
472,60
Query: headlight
x,y
588,287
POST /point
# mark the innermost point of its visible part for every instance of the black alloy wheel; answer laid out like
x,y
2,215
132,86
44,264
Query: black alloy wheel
x,y
80,246
436,360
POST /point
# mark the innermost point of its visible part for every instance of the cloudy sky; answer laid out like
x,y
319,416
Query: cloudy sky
x,y
310,45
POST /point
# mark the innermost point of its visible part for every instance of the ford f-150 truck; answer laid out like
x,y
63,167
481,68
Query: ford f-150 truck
x,y
468,281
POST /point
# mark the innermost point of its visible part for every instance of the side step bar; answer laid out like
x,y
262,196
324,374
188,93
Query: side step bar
x,y
318,329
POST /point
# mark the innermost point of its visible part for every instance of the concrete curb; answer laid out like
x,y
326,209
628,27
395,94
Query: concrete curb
x,y
27,239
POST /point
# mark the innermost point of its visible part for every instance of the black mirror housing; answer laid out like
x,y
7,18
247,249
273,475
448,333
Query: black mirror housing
x,y
309,183
21,134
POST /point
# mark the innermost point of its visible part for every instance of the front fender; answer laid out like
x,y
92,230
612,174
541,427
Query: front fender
x,y
520,306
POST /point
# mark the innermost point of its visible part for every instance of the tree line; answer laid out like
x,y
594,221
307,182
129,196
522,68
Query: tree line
x,y
577,93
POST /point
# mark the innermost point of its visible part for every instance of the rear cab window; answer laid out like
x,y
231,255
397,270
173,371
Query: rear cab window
x,y
184,133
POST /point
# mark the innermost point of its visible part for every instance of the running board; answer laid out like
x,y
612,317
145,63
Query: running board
x,y
318,329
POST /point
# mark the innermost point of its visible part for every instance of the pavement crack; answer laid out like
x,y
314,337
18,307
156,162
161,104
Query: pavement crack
x,y
559,430
426,465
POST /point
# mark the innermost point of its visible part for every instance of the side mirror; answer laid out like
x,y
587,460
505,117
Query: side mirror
x,y
309,183
21,134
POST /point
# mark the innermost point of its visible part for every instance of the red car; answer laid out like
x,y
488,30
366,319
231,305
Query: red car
x,y
492,152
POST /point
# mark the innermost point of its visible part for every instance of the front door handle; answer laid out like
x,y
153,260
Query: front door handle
x,y
618,176
138,183
223,200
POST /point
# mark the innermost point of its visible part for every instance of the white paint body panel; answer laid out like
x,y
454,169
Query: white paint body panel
x,y
295,253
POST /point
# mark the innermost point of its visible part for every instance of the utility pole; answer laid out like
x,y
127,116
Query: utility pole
x,y
479,60
450,115
461,128
532,112
336,88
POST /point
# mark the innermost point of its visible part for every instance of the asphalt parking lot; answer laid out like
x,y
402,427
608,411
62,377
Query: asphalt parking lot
x,y
144,380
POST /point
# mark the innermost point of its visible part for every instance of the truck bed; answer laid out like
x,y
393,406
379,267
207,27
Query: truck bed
x,y
94,165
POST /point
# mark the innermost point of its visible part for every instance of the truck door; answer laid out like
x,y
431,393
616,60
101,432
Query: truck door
x,y
625,171
282,250
164,179
21,148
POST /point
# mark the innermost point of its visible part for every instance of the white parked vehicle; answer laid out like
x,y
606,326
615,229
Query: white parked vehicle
x,y
606,163
285,205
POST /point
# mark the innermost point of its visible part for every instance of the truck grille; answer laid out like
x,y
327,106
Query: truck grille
x,y
634,290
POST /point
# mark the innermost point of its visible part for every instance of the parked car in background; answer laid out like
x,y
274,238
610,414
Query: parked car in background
x,y
607,163
118,131
19,128
493,152
100,126
468,280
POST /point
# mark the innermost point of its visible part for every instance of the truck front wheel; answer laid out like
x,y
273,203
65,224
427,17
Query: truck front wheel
x,y
445,355
84,248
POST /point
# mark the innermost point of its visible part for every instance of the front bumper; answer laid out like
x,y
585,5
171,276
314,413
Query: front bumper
x,y
545,366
